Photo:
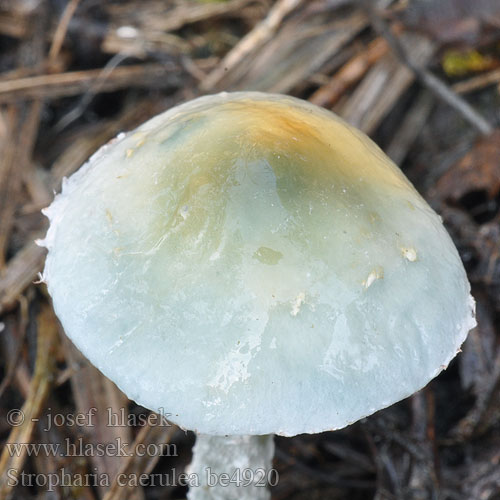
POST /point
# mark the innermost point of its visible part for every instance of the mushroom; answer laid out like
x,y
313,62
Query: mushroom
x,y
254,265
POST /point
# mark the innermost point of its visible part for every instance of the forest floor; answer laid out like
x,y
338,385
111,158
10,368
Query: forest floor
x,y
421,78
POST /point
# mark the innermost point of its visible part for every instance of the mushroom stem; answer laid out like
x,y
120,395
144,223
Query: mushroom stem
x,y
229,467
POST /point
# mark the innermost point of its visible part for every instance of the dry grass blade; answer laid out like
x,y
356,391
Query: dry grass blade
x,y
55,113
8,179
349,74
252,41
477,82
95,393
383,85
24,123
15,161
148,27
60,32
410,127
294,59
16,349
14,19
159,16
12,463
435,85
20,273
136,464
73,83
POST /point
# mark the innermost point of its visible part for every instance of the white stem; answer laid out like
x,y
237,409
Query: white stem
x,y
232,467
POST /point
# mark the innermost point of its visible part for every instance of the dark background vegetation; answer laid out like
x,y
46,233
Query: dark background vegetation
x,y
420,77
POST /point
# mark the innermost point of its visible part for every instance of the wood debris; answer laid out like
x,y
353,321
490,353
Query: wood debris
x,y
74,74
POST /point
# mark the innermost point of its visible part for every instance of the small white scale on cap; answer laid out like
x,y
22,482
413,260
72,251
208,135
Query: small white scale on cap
x,y
241,220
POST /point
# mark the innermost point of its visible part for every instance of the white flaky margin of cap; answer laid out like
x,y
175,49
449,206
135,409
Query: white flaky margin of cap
x,y
467,326
56,209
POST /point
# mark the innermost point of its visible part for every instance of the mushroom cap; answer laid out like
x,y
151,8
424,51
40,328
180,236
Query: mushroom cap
x,y
249,263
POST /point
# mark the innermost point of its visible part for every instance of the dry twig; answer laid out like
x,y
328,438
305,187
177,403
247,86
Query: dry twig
x,y
252,41
76,82
435,85
11,463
